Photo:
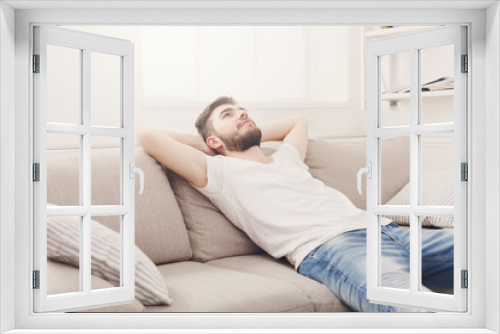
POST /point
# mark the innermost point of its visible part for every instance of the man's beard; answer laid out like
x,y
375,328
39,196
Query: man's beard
x,y
243,142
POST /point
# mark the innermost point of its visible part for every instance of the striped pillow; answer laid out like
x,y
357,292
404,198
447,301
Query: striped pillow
x,y
63,240
437,190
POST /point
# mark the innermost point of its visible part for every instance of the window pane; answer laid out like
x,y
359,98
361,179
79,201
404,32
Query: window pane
x,y
63,169
437,254
106,250
395,256
437,66
437,169
395,89
395,169
63,254
105,89
106,170
63,84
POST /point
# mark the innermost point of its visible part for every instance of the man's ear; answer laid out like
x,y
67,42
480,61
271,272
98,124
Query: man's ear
x,y
214,142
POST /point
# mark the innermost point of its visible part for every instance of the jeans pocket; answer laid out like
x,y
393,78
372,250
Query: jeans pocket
x,y
314,251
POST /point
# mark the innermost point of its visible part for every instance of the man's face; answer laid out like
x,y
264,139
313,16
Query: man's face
x,y
235,130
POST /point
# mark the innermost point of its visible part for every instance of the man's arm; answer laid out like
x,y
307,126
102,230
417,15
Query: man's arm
x,y
293,130
180,152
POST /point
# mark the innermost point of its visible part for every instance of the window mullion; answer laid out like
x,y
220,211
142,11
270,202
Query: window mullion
x,y
127,183
97,210
415,244
70,129
427,129
443,211
82,130
85,174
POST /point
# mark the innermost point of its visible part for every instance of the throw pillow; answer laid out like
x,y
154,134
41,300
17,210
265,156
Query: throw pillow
x,y
160,231
437,190
63,245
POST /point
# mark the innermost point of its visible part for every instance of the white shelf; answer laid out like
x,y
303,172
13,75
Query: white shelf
x,y
379,33
405,96
374,32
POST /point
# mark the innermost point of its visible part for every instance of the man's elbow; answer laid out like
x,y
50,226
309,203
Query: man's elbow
x,y
300,119
143,135
302,122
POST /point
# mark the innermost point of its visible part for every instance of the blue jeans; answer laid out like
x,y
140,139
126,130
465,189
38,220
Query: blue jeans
x,y
340,264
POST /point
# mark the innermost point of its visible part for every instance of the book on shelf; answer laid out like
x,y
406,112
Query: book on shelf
x,y
441,83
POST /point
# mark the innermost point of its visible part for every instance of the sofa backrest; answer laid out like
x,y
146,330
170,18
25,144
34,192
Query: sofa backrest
x,y
211,234
174,222
159,227
336,163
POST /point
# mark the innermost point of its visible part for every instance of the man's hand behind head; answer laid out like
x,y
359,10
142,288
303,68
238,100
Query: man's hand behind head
x,y
202,146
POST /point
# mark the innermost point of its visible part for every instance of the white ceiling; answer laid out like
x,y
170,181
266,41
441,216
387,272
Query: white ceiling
x,y
241,4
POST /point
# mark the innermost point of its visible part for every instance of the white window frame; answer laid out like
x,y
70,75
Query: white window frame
x,y
484,103
86,298
414,43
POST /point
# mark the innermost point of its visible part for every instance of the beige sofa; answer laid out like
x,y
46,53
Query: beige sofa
x,y
207,263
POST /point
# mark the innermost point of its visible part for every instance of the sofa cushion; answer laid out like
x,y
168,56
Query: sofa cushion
x,y
62,278
199,287
211,234
322,298
63,245
159,232
336,163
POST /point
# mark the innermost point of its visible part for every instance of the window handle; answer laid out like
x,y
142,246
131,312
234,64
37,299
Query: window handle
x,y
367,170
133,170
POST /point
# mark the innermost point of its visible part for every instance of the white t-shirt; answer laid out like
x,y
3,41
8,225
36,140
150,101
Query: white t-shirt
x,y
279,205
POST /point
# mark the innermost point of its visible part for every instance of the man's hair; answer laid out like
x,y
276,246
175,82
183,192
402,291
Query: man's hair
x,y
203,123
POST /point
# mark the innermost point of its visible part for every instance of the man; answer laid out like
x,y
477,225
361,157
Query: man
x,y
286,211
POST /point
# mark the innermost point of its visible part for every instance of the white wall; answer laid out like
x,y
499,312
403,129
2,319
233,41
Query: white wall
x,y
281,64
492,186
327,118
7,160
